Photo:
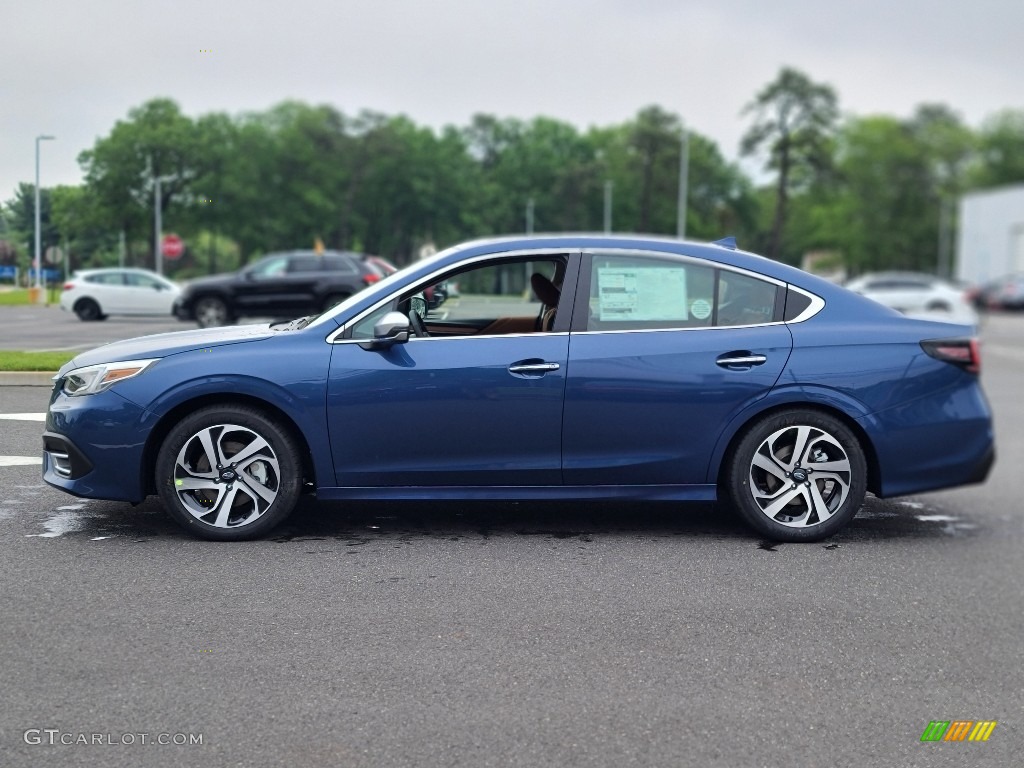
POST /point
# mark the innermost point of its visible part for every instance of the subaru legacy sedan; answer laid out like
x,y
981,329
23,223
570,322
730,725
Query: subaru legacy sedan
x,y
567,367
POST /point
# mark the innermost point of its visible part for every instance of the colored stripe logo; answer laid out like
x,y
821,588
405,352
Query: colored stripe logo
x,y
958,730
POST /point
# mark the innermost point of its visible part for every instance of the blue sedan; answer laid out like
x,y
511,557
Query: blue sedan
x,y
563,367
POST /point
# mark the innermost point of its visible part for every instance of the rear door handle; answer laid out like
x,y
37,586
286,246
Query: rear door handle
x,y
735,359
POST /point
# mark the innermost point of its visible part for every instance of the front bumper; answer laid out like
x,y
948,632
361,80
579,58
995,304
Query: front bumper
x,y
182,310
93,446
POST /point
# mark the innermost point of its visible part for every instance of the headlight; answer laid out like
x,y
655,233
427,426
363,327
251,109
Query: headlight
x,y
96,378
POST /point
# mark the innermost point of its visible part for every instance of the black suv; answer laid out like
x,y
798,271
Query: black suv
x,y
281,285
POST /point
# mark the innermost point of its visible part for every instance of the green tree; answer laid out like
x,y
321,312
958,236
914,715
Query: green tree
x,y
885,215
1001,150
120,169
794,123
641,159
20,222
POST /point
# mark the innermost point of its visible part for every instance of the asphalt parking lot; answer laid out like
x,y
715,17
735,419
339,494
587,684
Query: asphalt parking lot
x,y
512,634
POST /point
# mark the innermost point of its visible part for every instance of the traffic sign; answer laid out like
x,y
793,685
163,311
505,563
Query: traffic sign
x,y
53,255
172,246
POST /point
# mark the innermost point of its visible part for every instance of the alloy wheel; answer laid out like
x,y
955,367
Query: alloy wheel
x,y
227,475
800,476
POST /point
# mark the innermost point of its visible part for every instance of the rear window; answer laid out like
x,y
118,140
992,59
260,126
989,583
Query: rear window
x,y
638,293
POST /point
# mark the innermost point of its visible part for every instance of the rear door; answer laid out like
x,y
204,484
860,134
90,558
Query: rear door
x,y
663,351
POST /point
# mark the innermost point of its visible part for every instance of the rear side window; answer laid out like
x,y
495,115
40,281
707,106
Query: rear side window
x,y
326,263
898,285
106,278
640,293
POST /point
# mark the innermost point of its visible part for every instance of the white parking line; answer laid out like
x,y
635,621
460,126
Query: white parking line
x,y
20,461
23,416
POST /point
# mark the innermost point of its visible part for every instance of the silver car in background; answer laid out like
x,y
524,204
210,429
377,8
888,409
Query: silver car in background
x,y
917,294
93,294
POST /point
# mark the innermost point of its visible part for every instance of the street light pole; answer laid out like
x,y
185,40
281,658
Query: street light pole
x,y
684,173
158,256
157,226
608,206
38,259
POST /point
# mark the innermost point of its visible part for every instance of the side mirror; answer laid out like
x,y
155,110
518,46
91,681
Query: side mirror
x,y
392,329
418,304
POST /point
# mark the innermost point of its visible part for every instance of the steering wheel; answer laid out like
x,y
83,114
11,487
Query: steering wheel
x,y
418,327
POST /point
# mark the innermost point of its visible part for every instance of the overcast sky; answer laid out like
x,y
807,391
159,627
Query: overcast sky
x,y
72,68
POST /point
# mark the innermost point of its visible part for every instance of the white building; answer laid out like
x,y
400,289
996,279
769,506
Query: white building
x,y
990,242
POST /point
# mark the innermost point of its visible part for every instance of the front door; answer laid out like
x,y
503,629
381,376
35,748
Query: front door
x,y
475,400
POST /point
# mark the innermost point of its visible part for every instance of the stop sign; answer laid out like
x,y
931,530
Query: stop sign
x,y
172,246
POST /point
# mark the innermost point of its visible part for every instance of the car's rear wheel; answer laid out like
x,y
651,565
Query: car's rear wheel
x,y
212,311
88,310
229,473
797,475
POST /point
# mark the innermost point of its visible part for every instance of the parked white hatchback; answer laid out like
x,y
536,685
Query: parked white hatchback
x,y
93,294
917,294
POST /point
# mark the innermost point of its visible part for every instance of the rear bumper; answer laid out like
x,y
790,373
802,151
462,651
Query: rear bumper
x,y
937,442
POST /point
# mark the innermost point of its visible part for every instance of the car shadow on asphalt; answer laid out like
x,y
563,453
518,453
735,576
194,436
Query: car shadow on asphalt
x,y
358,523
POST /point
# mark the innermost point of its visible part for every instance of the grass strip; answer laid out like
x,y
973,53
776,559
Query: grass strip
x,y
33,361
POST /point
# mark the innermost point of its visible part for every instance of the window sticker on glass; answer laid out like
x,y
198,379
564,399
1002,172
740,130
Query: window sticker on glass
x,y
641,293
700,309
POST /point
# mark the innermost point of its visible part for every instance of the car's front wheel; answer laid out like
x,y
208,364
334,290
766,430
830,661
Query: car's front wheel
x,y
229,473
212,311
797,475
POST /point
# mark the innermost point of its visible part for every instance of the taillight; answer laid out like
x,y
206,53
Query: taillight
x,y
67,286
370,278
965,353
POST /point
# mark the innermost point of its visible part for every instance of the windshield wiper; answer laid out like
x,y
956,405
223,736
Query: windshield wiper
x,y
293,325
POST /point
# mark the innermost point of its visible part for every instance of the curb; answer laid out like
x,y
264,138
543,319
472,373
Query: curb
x,y
27,378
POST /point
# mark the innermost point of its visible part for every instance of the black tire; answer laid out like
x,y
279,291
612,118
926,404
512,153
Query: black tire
x,y
212,311
88,310
762,472
229,501
334,298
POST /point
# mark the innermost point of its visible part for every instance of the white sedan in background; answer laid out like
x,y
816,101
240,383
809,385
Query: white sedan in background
x,y
93,294
917,294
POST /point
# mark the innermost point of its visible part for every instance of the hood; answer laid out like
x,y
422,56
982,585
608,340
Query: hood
x,y
164,344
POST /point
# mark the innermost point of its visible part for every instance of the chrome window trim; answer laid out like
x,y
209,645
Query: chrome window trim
x,y
332,338
463,338
679,330
817,304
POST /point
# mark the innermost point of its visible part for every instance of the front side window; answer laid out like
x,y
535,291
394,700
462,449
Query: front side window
x,y
142,281
270,267
489,298
647,293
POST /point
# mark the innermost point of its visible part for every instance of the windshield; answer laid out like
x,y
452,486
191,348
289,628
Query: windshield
x,y
379,289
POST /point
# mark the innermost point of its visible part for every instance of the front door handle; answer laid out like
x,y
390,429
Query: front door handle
x,y
731,359
532,369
